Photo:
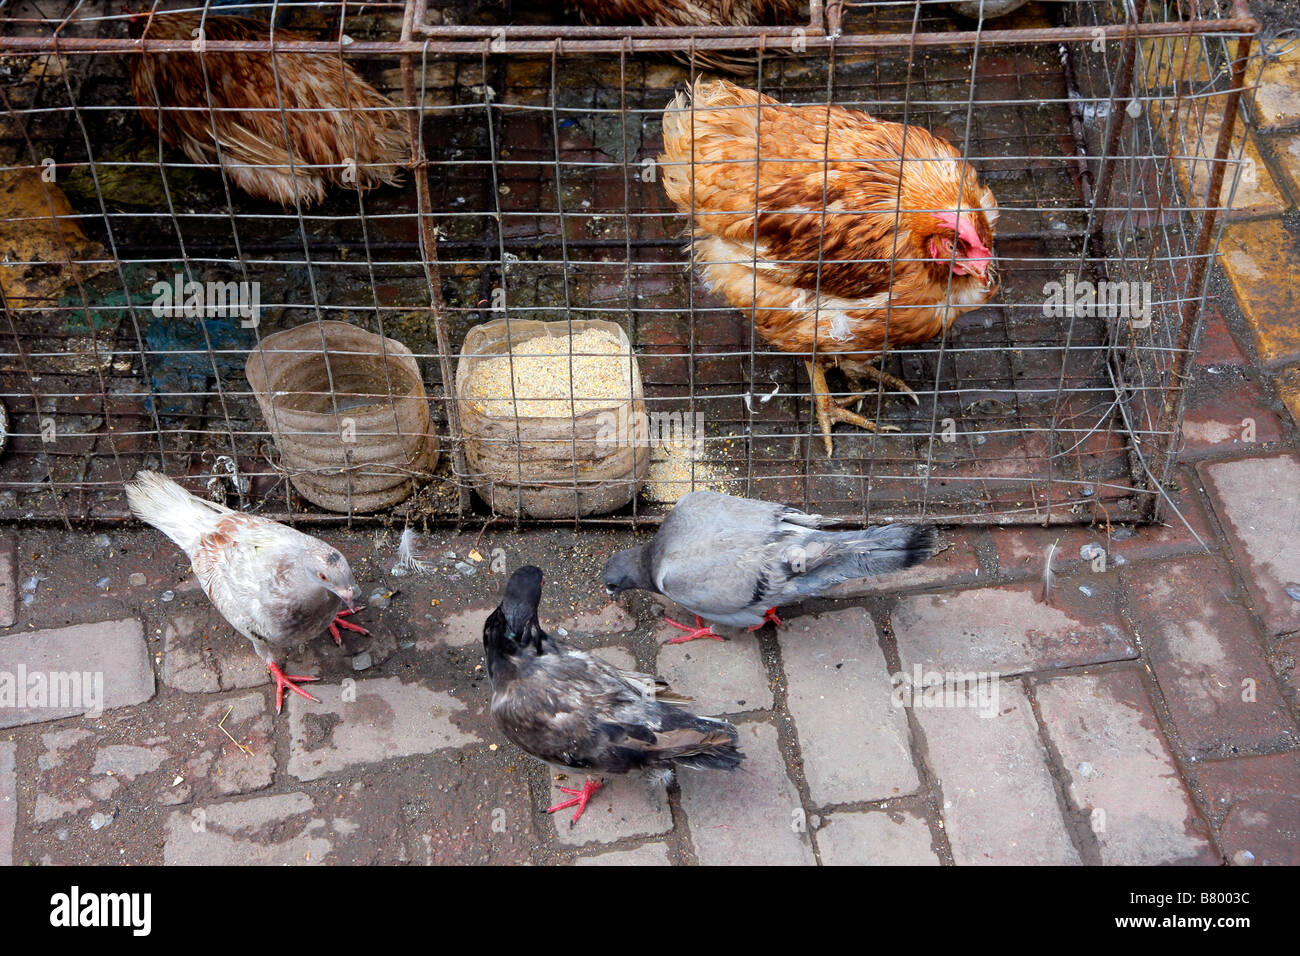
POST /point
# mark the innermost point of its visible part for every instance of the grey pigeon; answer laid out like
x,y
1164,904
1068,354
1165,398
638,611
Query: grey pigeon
x,y
735,560
573,710
276,586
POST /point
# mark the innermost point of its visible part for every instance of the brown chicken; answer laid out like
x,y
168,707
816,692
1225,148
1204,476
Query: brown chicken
x,y
341,130
850,236
695,13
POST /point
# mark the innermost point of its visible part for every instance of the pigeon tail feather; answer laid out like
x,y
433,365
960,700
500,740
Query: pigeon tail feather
x,y
157,500
861,554
717,748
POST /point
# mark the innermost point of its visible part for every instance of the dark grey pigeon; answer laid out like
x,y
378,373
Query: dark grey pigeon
x,y
576,711
734,561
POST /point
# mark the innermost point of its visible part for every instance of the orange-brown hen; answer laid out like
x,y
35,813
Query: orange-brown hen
x,y
340,130
847,235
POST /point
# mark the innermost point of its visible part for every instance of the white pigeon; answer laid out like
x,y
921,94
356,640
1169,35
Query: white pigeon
x,y
736,560
276,586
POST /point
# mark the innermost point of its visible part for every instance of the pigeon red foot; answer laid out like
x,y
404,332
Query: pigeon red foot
x,y
580,798
339,622
283,680
692,633
768,615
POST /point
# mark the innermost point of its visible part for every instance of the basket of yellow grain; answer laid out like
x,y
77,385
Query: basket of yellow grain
x,y
547,411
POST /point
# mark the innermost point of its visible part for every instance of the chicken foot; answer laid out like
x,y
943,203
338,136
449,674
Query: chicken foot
x,y
829,409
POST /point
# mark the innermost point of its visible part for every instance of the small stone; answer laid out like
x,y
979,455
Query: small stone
x,y
1122,534
102,541
1243,858
167,596
103,583
100,820
1087,770
1091,550
137,580
361,661
61,835
465,569
1088,491
1293,591
1087,590
31,583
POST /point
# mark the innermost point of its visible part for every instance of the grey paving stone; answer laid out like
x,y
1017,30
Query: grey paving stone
x,y
719,677
1009,630
1120,770
610,619
1254,801
1207,658
853,740
876,838
458,630
999,803
280,830
60,789
752,815
386,719
8,801
248,762
652,854
202,656
107,658
627,805
1259,502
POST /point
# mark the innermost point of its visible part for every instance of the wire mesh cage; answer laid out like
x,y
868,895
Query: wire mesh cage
x,y
145,287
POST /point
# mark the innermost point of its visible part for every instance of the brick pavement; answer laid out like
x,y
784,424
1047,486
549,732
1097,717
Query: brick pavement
x,y
1145,713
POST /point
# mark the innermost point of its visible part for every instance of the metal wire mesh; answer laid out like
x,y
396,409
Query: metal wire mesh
x,y
532,193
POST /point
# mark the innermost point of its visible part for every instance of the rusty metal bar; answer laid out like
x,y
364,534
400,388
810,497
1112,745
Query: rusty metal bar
x,y
769,36
1128,62
429,255
1171,414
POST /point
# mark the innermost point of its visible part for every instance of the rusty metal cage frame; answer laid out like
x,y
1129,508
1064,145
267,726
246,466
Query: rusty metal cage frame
x,y
823,35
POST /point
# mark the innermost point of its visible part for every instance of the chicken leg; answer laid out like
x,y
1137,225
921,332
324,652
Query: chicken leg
x,y
829,409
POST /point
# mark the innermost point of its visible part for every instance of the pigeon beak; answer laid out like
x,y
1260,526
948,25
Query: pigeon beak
x,y
348,595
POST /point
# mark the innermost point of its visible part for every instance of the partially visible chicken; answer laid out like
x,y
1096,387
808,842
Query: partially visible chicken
x,y
695,13
224,108
842,233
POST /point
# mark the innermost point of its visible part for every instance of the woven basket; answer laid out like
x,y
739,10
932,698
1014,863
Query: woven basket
x,y
550,467
367,445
